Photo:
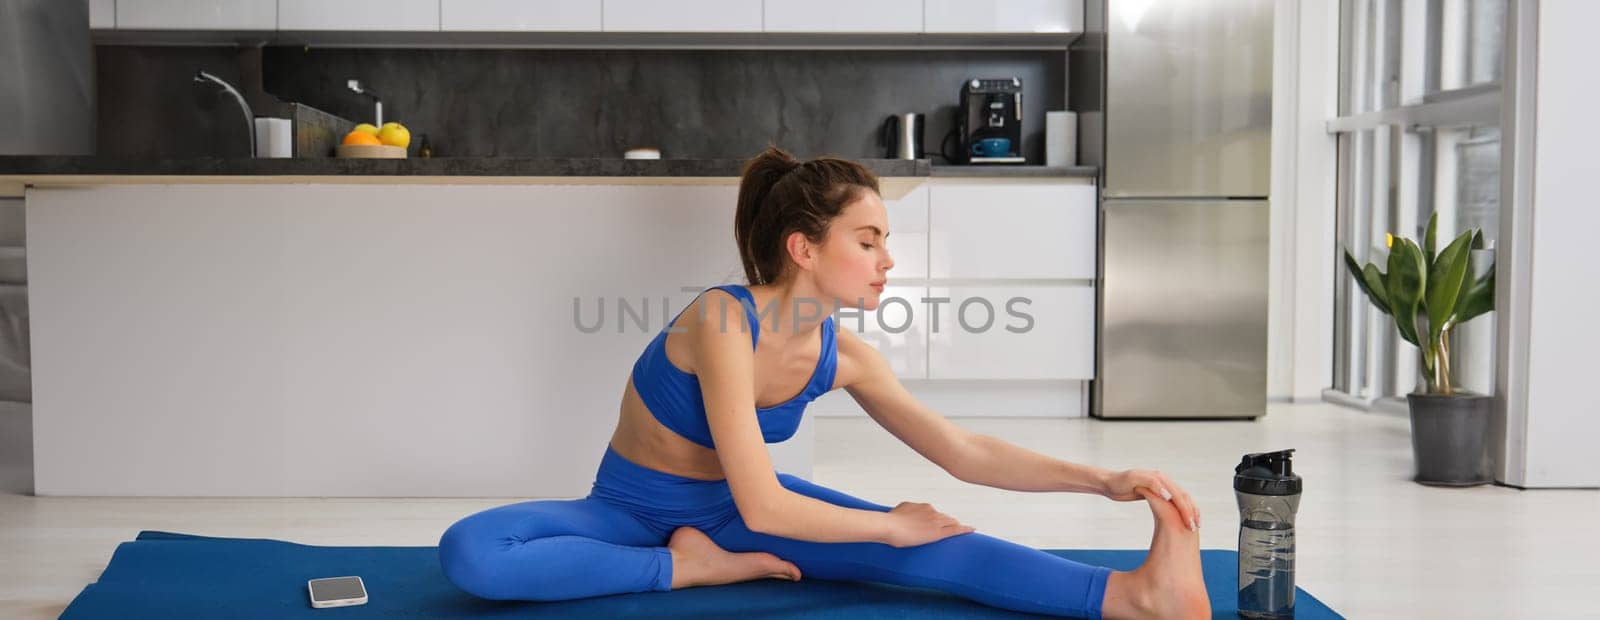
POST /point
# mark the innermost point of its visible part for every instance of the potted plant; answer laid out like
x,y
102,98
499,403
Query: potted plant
x,y
1428,294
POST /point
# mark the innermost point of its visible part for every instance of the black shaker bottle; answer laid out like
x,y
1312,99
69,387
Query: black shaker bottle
x,y
1268,492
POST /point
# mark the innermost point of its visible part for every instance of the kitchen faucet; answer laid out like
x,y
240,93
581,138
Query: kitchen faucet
x,y
356,87
249,117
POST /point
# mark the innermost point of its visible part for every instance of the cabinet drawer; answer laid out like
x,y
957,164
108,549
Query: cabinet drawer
x,y
898,329
682,16
102,14
1004,15
1032,332
908,234
1012,230
391,15
197,14
519,15
842,16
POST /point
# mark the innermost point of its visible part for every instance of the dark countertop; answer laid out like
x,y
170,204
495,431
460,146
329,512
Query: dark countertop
x,y
26,165
442,166
68,165
1016,171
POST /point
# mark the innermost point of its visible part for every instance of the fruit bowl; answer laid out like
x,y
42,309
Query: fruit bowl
x,y
371,151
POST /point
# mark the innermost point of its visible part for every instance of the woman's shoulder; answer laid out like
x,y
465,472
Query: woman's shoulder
x,y
720,305
716,314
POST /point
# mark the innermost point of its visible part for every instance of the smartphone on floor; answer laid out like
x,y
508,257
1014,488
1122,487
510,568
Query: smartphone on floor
x,y
337,592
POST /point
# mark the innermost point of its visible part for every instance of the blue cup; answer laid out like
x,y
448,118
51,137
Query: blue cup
x,y
992,147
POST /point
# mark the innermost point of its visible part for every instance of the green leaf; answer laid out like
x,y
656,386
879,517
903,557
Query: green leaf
x,y
1373,279
1351,264
1370,280
1478,299
1445,279
1477,238
1429,241
1405,286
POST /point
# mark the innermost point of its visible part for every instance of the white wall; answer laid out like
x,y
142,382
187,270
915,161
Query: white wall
x,y
1300,294
1562,406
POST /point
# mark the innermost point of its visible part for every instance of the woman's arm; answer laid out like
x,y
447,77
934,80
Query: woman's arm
x,y
970,457
996,463
804,518
981,459
867,377
724,363
992,462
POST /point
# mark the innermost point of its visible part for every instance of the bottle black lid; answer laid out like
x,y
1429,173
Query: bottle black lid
x,y
1267,473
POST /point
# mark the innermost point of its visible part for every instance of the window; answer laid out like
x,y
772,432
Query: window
x,y
1418,134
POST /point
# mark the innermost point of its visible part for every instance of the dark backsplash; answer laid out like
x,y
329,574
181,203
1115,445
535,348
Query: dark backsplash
x,y
571,103
149,106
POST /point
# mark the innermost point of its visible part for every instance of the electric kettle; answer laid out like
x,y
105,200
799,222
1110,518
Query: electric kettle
x,y
901,136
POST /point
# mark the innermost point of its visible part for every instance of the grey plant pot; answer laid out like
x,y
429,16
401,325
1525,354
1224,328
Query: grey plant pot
x,y
1449,438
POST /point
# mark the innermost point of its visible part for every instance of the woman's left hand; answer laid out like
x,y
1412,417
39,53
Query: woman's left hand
x,y
1120,487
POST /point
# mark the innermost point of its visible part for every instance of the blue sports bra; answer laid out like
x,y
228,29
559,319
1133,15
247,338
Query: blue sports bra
x,y
673,396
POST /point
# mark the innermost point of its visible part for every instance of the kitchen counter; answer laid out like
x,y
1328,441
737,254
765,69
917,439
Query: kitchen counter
x,y
297,302
32,166
20,171
1016,171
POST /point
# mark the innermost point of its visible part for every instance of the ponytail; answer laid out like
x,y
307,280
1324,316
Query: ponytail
x,y
779,195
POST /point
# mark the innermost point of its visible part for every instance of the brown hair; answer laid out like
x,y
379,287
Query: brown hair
x,y
779,195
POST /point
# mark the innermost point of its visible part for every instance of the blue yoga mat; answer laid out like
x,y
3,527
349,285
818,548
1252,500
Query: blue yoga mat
x,y
167,575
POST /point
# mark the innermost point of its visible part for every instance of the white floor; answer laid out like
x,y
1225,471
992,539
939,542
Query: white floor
x,y
1372,544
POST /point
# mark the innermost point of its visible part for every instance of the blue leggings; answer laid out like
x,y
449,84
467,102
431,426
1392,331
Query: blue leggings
x,y
613,541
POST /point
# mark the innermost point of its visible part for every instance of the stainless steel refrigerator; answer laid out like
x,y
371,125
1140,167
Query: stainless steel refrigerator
x,y
1178,98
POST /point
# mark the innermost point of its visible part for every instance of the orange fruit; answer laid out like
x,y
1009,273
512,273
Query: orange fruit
x,y
361,137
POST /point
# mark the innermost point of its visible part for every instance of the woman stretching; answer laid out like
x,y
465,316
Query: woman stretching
x,y
686,494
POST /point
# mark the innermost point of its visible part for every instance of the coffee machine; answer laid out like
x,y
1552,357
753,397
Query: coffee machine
x,y
990,121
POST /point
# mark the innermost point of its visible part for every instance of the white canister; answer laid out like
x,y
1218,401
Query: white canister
x,y
274,137
1061,138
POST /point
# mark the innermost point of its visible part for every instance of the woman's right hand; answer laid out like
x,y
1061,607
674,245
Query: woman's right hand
x,y
912,524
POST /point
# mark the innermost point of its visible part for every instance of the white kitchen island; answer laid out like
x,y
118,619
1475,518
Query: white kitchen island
x,y
349,338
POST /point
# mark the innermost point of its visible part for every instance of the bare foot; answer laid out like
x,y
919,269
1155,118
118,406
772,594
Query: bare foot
x,y
696,561
1169,584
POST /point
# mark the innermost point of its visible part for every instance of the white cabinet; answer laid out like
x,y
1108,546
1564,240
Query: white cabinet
x,y
897,328
1004,15
988,231
383,15
1012,332
1001,229
682,16
519,15
843,16
195,15
797,16
102,14
908,234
